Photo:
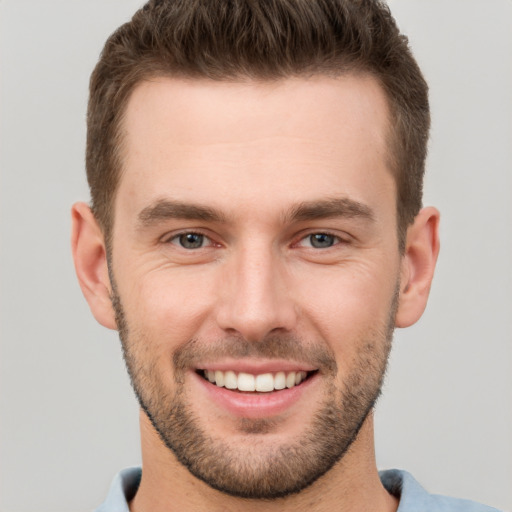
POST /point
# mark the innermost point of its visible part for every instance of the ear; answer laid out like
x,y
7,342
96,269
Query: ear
x,y
418,263
90,257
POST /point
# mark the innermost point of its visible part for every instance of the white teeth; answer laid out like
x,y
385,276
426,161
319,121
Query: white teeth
x,y
219,379
299,377
230,380
246,382
280,380
263,383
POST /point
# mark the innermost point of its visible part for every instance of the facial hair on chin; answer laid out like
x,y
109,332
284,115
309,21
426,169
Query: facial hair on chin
x,y
258,470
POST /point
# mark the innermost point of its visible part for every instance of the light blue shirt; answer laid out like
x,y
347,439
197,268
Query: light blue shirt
x,y
413,498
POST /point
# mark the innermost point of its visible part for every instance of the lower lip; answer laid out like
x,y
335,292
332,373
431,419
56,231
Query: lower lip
x,y
256,405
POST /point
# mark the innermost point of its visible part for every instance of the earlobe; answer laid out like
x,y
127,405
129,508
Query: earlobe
x,y
90,257
418,264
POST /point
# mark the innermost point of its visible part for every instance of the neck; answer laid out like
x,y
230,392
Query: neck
x,y
352,484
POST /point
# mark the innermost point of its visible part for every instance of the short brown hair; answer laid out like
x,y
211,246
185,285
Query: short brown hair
x,y
261,40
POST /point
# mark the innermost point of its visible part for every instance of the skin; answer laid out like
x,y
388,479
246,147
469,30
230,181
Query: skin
x,y
253,152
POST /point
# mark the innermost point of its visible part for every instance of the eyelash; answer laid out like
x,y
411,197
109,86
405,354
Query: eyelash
x,y
336,240
177,240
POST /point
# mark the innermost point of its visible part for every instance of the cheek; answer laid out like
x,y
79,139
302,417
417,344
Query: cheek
x,y
168,306
348,305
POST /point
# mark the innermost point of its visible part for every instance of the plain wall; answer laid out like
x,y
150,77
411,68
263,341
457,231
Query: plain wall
x,y
68,421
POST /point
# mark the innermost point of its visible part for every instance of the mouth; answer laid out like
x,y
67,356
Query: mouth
x,y
258,389
259,383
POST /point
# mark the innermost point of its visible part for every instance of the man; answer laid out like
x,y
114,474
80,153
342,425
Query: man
x,y
255,235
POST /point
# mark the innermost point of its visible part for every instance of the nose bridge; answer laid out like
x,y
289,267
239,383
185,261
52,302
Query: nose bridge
x,y
255,300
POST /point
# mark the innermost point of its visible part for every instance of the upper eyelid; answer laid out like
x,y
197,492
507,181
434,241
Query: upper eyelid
x,y
174,234
344,237
338,239
174,240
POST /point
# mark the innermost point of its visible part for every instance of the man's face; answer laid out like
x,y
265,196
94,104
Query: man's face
x,y
255,248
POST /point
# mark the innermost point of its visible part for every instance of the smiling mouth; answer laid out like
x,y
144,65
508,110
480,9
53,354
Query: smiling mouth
x,y
262,383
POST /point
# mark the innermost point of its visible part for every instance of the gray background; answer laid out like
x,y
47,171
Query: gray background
x,y
68,421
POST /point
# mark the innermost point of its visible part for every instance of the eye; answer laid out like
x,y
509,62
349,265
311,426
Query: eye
x,y
190,240
320,240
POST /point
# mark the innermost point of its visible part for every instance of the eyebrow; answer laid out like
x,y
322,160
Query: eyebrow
x,y
164,209
325,208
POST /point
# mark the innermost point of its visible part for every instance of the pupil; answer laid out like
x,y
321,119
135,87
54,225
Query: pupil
x,y
321,240
191,240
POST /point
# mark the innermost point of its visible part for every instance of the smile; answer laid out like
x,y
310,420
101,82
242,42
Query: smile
x,y
247,382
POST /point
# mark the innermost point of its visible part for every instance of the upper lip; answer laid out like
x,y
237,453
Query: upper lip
x,y
257,367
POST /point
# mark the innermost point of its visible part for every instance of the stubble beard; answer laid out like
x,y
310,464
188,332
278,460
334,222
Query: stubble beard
x,y
255,469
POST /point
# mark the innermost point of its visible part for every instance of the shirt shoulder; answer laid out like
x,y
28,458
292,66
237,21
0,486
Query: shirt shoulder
x,y
123,489
414,498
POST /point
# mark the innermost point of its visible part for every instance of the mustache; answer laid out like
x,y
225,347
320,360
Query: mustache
x,y
273,346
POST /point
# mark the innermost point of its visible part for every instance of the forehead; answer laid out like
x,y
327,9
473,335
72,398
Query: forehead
x,y
194,138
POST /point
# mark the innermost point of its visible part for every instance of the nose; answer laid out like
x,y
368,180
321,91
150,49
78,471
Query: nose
x,y
254,298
